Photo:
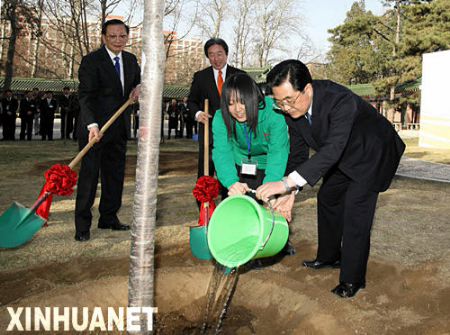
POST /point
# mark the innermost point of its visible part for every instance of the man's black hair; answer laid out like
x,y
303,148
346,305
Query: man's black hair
x,y
244,89
215,41
291,70
114,22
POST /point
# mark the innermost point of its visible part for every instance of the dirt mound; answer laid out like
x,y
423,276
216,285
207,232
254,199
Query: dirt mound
x,y
283,296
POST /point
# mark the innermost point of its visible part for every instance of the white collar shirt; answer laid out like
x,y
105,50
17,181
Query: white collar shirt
x,y
112,55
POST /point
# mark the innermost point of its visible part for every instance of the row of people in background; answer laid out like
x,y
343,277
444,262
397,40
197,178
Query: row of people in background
x,y
37,111
180,118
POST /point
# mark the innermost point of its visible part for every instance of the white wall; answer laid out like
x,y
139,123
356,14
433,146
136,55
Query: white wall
x,y
435,100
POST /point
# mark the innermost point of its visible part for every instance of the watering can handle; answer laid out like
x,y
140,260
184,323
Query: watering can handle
x,y
273,226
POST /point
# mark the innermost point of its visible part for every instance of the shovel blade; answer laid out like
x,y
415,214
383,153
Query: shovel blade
x,y
18,226
199,243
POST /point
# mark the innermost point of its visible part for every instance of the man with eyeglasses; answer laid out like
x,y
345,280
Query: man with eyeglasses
x,y
108,76
357,152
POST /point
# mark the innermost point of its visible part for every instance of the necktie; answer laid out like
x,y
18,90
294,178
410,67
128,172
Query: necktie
x,y
309,118
220,82
117,65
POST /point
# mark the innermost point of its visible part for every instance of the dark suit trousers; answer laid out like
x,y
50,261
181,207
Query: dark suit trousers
x,y
107,159
26,127
345,211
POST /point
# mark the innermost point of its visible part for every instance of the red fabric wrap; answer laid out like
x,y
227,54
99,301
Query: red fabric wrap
x,y
60,180
206,213
205,191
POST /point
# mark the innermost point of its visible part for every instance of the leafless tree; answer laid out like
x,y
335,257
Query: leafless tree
x,y
19,17
242,30
212,17
276,20
10,14
36,38
141,278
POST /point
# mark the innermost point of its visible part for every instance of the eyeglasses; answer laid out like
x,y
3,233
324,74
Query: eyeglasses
x,y
281,104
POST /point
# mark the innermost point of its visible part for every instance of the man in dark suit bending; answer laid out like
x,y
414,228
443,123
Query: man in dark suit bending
x,y
357,152
108,76
207,84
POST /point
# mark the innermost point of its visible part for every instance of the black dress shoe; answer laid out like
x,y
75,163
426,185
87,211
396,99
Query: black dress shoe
x,y
347,290
113,226
82,236
316,265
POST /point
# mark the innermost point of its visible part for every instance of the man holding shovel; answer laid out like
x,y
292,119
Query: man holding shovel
x,y
207,84
108,77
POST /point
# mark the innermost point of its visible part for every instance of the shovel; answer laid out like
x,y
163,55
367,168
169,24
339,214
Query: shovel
x,y
198,234
19,224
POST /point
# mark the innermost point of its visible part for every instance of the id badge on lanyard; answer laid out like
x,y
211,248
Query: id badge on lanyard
x,y
249,165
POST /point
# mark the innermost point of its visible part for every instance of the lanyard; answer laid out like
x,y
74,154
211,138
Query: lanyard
x,y
248,138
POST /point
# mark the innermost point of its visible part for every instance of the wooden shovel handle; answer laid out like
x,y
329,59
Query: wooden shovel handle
x,y
206,139
105,127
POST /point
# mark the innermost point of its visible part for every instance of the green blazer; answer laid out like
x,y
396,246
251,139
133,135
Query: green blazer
x,y
269,146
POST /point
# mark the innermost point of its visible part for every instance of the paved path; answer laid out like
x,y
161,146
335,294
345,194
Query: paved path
x,y
415,168
419,169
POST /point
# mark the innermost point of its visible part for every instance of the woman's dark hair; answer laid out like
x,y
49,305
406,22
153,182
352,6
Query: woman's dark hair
x,y
244,89
114,22
213,41
291,70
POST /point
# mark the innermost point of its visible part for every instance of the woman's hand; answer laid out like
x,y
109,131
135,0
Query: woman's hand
x,y
238,189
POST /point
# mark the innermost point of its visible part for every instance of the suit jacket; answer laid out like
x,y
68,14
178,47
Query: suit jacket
x,y
27,106
9,108
347,133
100,90
48,108
204,87
65,104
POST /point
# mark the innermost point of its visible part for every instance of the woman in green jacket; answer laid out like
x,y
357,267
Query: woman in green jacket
x,y
251,144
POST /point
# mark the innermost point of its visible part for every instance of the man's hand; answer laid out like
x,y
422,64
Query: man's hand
x,y
238,189
265,191
94,134
284,205
202,117
135,93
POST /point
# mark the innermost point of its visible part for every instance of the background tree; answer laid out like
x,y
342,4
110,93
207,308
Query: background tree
x,y
244,14
212,17
276,20
387,50
19,18
357,52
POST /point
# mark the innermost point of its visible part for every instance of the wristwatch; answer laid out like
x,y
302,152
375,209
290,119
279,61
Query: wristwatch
x,y
287,187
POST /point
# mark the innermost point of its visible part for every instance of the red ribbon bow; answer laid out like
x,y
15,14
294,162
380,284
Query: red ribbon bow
x,y
205,191
60,180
